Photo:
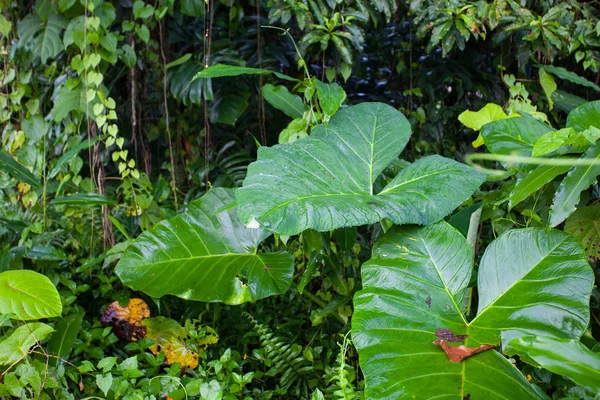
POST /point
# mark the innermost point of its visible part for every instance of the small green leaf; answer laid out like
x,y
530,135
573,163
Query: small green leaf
x,y
552,141
548,84
584,224
104,382
331,96
21,340
83,200
280,98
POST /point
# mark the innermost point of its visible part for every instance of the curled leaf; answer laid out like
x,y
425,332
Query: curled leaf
x,y
127,321
448,335
458,353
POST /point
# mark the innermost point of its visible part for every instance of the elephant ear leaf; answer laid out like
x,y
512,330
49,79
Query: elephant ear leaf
x,y
413,289
409,329
206,254
567,357
327,181
526,282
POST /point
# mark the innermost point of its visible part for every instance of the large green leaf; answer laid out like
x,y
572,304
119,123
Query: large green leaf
x,y
223,70
562,356
22,339
62,341
206,254
326,181
577,180
585,116
17,170
415,284
29,295
534,281
533,181
83,200
566,101
584,224
281,98
42,36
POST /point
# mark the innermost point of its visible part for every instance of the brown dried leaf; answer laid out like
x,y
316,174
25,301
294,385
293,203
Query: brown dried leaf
x,y
458,353
127,321
449,336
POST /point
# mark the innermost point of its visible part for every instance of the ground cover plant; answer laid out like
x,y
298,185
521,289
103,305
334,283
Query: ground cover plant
x,y
299,199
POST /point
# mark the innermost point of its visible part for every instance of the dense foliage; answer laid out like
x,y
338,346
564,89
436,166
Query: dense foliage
x,y
299,199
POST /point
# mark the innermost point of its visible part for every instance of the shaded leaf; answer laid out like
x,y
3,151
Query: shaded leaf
x,y
548,84
63,340
222,70
280,98
563,73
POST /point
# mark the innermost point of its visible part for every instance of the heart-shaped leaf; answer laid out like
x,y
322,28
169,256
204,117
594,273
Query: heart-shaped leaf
x,y
327,181
414,288
206,254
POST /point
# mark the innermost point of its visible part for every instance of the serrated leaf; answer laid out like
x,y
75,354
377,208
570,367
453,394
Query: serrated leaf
x,y
206,254
29,295
327,181
577,180
561,356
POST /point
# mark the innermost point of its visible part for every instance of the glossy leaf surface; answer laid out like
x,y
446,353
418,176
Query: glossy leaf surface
x,y
414,286
29,295
533,181
17,170
584,116
577,180
562,356
206,254
326,181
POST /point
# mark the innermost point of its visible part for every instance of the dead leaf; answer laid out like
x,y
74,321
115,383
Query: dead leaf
x,y
171,339
458,353
449,336
127,321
